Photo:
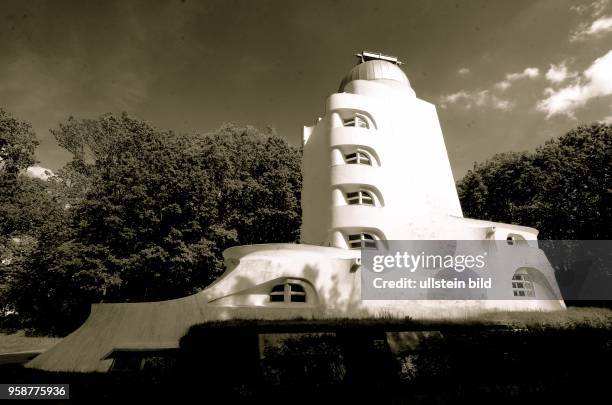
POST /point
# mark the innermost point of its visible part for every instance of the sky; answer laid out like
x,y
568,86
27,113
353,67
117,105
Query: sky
x,y
504,75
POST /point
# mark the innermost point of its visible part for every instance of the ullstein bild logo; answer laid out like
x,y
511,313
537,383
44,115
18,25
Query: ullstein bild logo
x,y
494,270
431,282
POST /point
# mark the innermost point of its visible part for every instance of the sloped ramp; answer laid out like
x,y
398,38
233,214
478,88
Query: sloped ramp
x,y
111,326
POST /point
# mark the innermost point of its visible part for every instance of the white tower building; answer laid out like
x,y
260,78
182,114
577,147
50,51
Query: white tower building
x,y
375,165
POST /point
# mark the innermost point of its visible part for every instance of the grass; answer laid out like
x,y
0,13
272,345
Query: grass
x,y
572,318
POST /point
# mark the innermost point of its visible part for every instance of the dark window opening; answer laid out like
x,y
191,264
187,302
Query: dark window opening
x,y
356,121
358,158
359,198
288,292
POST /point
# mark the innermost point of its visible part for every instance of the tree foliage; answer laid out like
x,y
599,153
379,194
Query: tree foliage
x,y
30,212
564,188
17,144
150,213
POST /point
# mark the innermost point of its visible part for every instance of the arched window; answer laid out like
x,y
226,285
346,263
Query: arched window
x,y
356,121
288,292
360,198
522,286
358,158
362,240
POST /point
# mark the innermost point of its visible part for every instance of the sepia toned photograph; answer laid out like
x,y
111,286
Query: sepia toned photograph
x,y
395,201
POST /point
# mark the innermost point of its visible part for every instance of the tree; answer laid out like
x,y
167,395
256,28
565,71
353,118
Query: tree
x,y
166,205
564,188
259,176
143,214
32,217
17,144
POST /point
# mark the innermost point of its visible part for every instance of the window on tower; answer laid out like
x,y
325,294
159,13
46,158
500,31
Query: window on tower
x,y
360,197
362,240
356,121
358,158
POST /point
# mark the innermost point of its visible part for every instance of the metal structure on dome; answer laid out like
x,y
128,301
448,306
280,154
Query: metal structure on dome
x,y
365,56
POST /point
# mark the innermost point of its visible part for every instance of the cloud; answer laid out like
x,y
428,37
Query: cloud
x,y
463,71
530,72
482,98
503,85
595,81
39,172
486,98
595,9
596,28
607,120
559,73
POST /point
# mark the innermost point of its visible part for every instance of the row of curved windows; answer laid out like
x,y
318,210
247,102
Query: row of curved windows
x,y
362,240
359,156
288,292
362,197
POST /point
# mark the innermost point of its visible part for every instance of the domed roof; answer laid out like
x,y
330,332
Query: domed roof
x,y
375,70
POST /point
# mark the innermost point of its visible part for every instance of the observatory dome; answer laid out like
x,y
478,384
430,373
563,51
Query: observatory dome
x,y
375,70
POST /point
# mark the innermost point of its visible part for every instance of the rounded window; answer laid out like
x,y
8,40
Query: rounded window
x,y
288,292
360,197
356,120
362,240
358,158
522,286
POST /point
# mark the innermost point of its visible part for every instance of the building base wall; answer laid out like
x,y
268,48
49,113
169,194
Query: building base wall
x,y
238,294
